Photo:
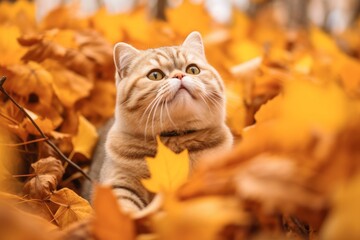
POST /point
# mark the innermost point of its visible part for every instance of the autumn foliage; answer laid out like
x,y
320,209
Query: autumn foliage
x,y
292,104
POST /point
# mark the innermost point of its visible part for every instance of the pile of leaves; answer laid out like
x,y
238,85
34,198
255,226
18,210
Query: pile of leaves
x,y
292,103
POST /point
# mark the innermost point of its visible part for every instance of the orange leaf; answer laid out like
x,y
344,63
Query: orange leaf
x,y
110,223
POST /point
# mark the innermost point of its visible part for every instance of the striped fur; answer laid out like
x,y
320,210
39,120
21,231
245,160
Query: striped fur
x,y
146,108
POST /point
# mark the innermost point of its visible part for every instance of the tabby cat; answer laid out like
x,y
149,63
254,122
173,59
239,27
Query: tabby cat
x,y
171,92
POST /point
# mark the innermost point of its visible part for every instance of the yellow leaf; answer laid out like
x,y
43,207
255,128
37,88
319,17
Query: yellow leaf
x,y
72,207
85,139
110,223
168,170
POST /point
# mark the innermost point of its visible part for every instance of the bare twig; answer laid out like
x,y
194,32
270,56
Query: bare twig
x,y
46,139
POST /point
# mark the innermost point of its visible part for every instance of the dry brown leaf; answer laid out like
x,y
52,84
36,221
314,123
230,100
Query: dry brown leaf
x,y
72,208
110,223
48,173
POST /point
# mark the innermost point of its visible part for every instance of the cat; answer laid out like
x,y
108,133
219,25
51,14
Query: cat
x,y
171,92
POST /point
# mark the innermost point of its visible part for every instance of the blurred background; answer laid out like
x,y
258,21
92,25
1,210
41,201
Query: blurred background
x,y
333,15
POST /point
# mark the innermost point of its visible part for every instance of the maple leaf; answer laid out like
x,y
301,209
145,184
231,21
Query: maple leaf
x,y
168,170
72,207
48,173
110,222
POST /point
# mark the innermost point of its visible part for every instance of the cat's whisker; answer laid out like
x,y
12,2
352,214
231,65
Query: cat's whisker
x,y
161,115
167,111
153,117
154,103
204,100
148,107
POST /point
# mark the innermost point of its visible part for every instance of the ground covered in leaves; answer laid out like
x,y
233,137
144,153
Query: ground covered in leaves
x,y
292,103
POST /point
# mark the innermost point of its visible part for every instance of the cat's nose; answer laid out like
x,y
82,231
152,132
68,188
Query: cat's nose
x,y
179,76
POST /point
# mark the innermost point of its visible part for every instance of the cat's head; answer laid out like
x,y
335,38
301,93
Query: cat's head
x,y
168,88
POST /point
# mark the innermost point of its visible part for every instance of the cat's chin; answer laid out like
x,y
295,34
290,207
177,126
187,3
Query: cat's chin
x,y
182,98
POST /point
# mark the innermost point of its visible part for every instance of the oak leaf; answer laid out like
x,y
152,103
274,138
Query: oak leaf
x,y
168,170
72,207
110,222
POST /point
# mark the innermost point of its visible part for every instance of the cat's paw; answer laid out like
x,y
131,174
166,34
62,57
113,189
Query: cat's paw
x,y
128,206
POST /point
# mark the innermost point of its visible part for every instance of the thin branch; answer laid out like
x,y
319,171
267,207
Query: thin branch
x,y
22,143
46,139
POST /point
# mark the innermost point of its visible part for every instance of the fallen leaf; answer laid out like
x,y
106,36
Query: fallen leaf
x,y
48,173
72,208
168,170
110,222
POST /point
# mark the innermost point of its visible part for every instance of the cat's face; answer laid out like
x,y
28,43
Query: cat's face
x,y
167,89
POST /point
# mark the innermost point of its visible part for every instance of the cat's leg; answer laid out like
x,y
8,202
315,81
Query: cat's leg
x,y
124,176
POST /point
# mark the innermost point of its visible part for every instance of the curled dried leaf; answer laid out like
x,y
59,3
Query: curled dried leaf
x,y
47,174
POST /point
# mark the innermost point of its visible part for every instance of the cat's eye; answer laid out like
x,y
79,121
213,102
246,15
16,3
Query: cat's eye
x,y
155,74
192,69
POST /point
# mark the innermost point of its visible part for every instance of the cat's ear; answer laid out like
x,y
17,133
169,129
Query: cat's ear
x,y
194,42
123,56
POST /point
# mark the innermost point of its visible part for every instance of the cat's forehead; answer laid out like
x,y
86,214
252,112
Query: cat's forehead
x,y
165,55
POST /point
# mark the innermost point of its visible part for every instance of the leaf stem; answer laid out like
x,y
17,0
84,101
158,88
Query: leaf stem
x,y
46,139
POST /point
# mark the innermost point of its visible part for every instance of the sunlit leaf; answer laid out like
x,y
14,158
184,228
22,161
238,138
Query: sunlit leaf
x,y
168,170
